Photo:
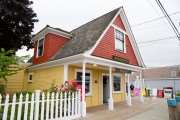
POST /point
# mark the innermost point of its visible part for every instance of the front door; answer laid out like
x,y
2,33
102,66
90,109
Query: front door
x,y
105,88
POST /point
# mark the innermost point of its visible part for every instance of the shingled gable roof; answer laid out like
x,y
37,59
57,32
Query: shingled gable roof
x,y
85,36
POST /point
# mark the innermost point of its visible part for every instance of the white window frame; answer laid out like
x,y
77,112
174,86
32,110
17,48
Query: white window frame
x,y
30,81
119,75
124,33
90,87
37,55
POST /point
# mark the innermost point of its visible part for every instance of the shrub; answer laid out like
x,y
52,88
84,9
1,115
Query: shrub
x,y
178,94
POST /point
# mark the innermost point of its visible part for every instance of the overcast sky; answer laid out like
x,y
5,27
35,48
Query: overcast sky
x,y
69,14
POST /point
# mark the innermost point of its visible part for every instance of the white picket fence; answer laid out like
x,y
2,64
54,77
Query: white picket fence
x,y
41,106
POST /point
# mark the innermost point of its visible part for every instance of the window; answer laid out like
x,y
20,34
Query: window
x,y
116,83
30,77
173,73
119,40
87,80
40,47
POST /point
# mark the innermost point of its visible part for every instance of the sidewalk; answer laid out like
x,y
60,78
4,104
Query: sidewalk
x,y
151,109
157,111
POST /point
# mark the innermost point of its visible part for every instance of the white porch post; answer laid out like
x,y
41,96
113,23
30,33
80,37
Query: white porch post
x,y
65,72
129,91
141,87
83,90
110,102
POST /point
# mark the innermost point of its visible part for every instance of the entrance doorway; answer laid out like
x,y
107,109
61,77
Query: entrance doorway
x,y
105,88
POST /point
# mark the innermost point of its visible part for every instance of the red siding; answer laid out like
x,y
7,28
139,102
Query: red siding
x,y
52,44
118,22
106,47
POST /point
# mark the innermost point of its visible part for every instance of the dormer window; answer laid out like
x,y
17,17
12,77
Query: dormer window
x,y
119,40
40,47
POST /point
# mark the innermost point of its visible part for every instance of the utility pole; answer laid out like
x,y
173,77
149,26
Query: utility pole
x,y
169,19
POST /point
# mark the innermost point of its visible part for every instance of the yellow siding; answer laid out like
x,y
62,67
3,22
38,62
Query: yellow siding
x,y
14,82
117,97
45,78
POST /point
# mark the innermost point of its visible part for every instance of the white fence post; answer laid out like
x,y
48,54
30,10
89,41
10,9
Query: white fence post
x,y
37,97
78,103
47,106
52,105
72,108
61,102
32,107
65,104
20,107
69,103
57,101
13,107
26,107
6,105
42,107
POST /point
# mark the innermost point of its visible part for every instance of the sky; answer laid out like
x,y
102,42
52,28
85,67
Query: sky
x,y
149,26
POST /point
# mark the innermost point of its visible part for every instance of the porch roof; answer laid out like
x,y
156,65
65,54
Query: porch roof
x,y
87,59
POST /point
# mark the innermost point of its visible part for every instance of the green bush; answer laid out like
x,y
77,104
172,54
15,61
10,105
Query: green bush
x,y
178,94
2,89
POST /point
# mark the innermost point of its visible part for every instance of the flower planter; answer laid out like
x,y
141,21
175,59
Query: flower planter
x,y
171,108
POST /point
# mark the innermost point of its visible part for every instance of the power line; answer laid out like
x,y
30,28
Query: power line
x,y
154,19
169,19
156,40
154,8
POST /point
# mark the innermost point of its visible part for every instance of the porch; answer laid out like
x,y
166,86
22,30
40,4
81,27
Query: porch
x,y
83,68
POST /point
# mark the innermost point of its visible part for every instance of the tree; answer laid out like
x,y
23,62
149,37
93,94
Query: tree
x,y
8,65
17,20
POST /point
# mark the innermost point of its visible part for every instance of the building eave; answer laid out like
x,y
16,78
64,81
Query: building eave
x,y
59,62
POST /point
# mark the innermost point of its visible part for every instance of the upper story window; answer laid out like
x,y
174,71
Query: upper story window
x,y
40,47
119,40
